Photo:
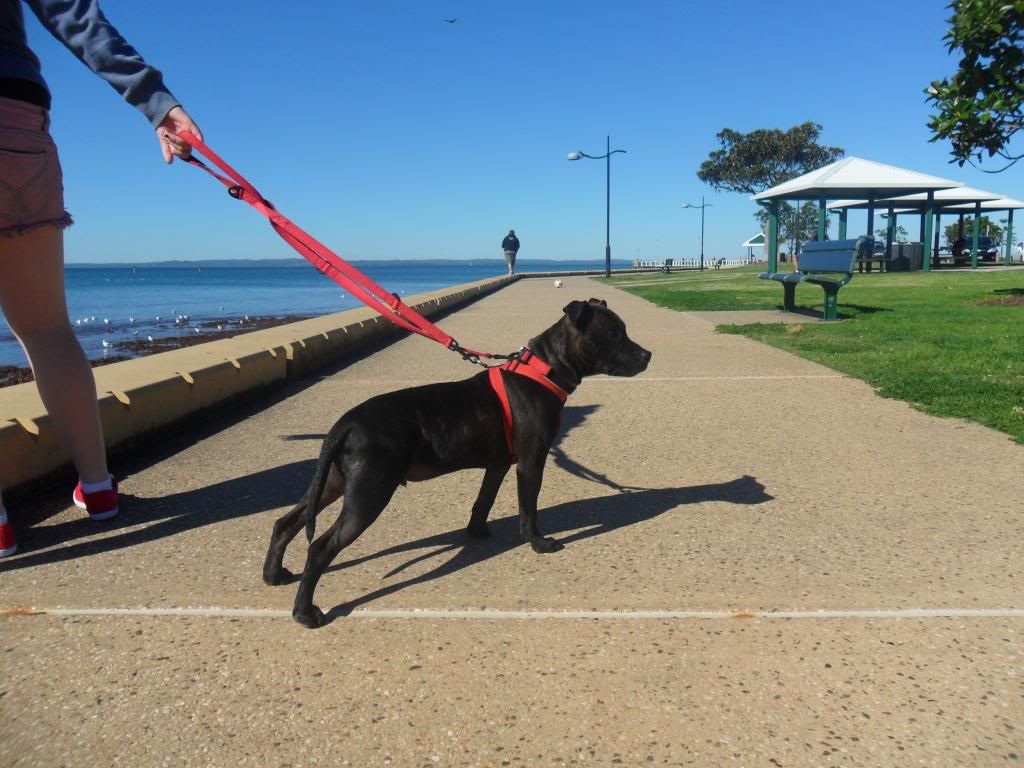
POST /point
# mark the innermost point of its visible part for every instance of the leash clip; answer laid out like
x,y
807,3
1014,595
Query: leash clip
x,y
466,355
474,358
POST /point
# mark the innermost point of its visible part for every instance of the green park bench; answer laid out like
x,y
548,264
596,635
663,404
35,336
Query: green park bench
x,y
826,263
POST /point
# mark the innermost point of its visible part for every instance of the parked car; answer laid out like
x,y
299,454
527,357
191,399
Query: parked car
x,y
987,249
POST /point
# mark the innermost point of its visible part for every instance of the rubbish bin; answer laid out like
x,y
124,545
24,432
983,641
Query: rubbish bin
x,y
906,257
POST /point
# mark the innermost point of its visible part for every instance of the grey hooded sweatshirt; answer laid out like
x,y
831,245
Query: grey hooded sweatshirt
x,y
81,26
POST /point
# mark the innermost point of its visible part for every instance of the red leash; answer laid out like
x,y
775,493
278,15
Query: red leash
x,y
523,362
326,261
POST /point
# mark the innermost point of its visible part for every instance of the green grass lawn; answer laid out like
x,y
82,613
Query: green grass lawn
x,y
951,343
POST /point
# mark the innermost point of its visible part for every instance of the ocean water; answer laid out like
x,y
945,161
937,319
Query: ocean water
x,y
118,303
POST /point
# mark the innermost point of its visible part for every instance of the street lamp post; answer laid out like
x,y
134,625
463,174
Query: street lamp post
x,y
702,206
608,198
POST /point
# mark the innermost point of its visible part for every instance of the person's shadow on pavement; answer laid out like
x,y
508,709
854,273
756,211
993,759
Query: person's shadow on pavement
x,y
147,519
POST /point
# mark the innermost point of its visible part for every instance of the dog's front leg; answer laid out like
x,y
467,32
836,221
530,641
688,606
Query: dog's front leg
x,y
477,528
529,476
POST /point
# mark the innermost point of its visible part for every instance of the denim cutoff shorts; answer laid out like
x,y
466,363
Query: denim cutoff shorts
x,y
31,183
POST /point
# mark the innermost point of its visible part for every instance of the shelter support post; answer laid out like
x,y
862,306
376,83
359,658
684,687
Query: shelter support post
x,y
822,218
975,233
1009,236
773,236
926,239
890,232
842,224
871,218
935,239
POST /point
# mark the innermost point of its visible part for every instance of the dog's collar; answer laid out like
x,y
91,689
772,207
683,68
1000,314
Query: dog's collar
x,y
527,364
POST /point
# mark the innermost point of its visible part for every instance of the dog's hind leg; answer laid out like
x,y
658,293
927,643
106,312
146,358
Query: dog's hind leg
x,y
369,489
289,525
493,477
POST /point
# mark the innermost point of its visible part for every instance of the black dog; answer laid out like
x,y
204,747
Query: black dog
x,y
425,432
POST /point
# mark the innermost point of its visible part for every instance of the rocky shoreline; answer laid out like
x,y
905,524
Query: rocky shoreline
x,y
211,330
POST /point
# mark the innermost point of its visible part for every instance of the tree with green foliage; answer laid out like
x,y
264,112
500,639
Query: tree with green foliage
x,y
899,235
799,224
753,162
987,227
981,107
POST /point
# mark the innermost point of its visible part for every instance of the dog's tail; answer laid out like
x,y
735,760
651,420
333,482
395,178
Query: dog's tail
x,y
329,453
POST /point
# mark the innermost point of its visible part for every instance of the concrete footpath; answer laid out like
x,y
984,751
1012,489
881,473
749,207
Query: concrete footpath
x,y
764,564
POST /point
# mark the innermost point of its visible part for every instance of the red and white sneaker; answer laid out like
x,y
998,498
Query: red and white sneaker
x,y
101,505
8,546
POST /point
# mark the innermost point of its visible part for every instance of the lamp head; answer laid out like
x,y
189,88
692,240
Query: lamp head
x,y
574,156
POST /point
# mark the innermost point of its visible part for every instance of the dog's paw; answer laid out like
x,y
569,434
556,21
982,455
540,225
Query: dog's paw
x,y
481,531
311,617
545,545
282,576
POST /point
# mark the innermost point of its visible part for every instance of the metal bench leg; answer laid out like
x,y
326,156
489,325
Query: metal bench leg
x,y
831,302
789,296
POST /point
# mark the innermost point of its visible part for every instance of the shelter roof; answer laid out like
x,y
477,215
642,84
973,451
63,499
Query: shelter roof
x,y
943,198
1003,204
854,177
755,241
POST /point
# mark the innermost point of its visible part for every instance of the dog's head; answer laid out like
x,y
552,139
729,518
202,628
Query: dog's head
x,y
598,343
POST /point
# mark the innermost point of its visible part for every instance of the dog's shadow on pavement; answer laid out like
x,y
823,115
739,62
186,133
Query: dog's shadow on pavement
x,y
579,520
575,416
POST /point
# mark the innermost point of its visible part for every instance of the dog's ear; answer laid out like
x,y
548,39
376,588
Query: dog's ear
x,y
579,313
598,303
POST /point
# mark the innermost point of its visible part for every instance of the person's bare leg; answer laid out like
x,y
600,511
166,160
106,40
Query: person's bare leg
x,y
32,299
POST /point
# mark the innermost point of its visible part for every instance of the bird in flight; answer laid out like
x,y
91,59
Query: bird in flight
x,y
452,21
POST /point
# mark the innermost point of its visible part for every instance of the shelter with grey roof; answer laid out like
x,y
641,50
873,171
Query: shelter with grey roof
x,y
851,177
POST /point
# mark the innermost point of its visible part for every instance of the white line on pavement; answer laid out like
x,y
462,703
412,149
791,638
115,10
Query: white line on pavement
x,y
641,379
493,614
634,379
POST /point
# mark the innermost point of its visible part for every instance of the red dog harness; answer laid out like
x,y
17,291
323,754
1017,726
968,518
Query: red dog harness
x,y
532,367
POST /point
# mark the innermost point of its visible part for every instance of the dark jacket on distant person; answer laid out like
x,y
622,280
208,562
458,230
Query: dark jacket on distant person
x,y
510,243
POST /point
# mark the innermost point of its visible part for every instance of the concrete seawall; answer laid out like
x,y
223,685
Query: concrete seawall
x,y
137,397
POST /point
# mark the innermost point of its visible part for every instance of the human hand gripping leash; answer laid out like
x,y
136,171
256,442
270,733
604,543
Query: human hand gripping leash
x,y
328,262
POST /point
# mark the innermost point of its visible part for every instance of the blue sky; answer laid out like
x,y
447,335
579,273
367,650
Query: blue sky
x,y
388,133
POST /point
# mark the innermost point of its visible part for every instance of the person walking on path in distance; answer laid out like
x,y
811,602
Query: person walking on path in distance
x,y
33,219
510,245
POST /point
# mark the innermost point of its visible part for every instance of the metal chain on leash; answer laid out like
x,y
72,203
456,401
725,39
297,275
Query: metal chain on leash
x,y
474,358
